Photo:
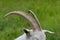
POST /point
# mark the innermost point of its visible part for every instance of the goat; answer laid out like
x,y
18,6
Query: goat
x,y
36,33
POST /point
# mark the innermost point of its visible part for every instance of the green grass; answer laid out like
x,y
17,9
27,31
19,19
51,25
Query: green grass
x,y
47,11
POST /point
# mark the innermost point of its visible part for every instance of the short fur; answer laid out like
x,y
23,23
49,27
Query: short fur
x,y
36,33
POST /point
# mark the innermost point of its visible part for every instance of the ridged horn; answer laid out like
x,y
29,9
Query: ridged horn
x,y
35,17
31,20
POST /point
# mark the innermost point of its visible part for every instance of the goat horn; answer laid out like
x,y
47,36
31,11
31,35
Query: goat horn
x,y
31,20
35,17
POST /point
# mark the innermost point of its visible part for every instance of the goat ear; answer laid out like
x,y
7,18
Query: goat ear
x,y
27,32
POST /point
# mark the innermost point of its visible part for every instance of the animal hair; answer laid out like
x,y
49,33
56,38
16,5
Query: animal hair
x,y
36,33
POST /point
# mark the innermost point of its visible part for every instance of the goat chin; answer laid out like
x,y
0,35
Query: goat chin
x,y
41,37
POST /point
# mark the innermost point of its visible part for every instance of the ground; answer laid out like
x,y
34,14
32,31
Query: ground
x,y
47,11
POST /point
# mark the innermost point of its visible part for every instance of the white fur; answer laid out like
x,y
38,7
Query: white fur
x,y
37,35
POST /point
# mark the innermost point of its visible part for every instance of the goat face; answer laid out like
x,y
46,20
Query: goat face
x,y
32,35
37,35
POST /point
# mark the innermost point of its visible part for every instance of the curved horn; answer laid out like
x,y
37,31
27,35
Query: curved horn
x,y
35,17
31,20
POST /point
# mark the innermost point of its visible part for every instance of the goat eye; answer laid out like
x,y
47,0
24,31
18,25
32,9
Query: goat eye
x,y
36,38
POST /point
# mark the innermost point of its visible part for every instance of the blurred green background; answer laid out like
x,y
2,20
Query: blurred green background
x,y
47,11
